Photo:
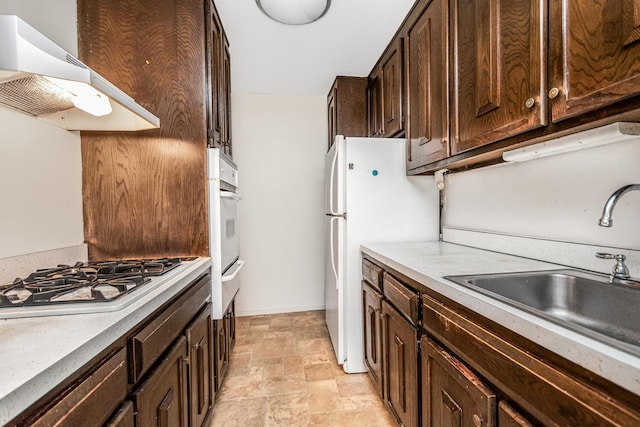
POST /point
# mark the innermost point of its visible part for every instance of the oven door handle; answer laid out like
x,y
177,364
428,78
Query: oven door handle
x,y
233,271
230,195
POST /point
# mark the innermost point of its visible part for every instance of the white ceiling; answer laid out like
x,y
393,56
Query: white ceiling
x,y
273,58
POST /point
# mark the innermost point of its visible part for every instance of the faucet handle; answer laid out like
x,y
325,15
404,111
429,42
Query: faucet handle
x,y
620,270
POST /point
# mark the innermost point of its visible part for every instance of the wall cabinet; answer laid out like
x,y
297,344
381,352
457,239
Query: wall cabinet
x,y
595,48
218,63
347,107
175,62
497,51
481,77
385,93
426,64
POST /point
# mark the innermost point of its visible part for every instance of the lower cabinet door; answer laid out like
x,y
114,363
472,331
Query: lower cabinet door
x,y
401,366
452,395
161,400
372,311
221,349
200,367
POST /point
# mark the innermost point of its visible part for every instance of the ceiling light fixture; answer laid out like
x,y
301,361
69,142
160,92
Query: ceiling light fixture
x,y
294,12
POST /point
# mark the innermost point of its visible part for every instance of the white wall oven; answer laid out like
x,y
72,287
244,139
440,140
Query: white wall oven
x,y
224,240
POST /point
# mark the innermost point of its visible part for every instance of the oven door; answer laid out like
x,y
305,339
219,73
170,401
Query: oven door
x,y
229,238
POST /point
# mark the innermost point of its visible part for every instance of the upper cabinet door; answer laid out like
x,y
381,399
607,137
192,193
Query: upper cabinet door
x,y
595,48
426,48
392,91
214,77
498,70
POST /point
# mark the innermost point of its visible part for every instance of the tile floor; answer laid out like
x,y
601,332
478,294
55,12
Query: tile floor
x,y
283,372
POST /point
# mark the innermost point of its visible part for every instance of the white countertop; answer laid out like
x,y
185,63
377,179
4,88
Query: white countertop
x,y
38,353
428,262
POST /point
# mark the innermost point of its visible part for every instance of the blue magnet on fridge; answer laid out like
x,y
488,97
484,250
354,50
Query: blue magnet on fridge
x,y
374,172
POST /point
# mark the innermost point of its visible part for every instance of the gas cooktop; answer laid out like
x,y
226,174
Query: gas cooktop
x,y
85,287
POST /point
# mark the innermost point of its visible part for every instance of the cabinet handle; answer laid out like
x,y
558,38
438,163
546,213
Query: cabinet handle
x,y
530,103
554,92
477,421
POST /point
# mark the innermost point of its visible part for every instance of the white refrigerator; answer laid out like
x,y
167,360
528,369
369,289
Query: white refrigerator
x,y
368,198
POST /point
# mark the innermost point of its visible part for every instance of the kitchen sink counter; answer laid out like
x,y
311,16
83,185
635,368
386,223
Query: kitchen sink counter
x,y
428,263
38,353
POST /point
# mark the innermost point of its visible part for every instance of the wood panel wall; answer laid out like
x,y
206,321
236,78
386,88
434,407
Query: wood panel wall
x,y
145,192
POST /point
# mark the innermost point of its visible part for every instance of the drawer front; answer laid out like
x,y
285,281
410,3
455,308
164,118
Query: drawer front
x,y
372,274
93,401
404,299
148,345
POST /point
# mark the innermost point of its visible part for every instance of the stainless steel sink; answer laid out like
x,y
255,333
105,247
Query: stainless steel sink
x,y
586,303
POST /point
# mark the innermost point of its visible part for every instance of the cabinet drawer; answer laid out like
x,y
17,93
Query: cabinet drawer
x,y
403,298
148,345
372,274
91,402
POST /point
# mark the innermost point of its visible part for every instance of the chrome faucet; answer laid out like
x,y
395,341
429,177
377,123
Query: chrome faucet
x,y
605,219
620,270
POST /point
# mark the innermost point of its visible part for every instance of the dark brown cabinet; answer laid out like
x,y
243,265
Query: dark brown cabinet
x,y
401,366
347,107
224,331
161,400
498,50
175,62
469,371
452,394
372,306
595,48
201,394
218,61
385,92
426,64
93,400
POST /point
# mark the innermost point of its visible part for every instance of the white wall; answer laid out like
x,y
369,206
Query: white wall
x,y
550,200
279,144
40,164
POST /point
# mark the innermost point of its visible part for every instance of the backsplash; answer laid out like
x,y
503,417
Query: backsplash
x,y
548,209
40,164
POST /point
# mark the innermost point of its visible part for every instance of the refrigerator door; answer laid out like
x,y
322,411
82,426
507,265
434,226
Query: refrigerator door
x,y
334,283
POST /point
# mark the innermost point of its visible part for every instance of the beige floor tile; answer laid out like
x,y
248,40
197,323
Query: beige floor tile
x,y
319,372
240,413
282,385
241,387
283,372
287,410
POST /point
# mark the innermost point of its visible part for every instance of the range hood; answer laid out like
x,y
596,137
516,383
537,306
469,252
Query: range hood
x,y
39,78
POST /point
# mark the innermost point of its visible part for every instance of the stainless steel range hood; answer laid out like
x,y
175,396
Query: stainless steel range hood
x,y
39,78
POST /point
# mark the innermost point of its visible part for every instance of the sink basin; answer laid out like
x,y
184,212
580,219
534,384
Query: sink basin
x,y
586,303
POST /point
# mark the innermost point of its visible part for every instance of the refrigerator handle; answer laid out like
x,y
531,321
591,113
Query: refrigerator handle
x,y
332,178
333,252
